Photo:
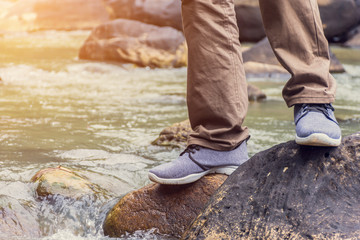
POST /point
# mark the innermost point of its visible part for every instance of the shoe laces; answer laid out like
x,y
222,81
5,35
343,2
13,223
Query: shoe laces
x,y
191,149
322,108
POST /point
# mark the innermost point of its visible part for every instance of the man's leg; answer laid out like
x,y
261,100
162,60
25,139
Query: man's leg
x,y
296,35
216,95
216,91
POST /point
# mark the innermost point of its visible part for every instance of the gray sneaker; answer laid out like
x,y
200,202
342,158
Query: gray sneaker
x,y
196,162
316,125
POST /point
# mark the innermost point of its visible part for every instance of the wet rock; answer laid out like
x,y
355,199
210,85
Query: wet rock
x,y
129,41
62,181
176,135
263,60
155,12
288,192
33,15
354,38
17,219
249,20
339,16
255,93
170,209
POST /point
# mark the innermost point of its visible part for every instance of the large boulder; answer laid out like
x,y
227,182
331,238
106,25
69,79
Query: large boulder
x,y
33,15
249,20
262,54
129,41
339,16
170,209
156,12
354,38
288,192
17,220
62,181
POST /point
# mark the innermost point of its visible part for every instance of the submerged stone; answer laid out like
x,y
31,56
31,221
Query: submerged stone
x,y
62,181
170,209
17,220
288,192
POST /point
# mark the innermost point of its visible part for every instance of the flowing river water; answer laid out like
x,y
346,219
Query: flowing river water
x,y
100,119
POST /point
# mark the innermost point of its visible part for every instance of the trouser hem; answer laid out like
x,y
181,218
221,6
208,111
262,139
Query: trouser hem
x,y
319,100
214,145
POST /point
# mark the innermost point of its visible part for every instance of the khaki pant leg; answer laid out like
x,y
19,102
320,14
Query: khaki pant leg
x,y
296,35
217,90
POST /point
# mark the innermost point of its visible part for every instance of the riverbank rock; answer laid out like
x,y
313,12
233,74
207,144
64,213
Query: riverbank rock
x,y
62,181
339,16
129,41
354,38
255,93
249,20
261,59
288,192
170,209
155,12
176,135
33,15
17,220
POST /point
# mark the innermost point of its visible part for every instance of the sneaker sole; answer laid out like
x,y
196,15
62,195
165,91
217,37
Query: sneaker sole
x,y
192,177
319,140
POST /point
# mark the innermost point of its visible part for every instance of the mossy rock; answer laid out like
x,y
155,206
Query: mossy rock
x,y
62,181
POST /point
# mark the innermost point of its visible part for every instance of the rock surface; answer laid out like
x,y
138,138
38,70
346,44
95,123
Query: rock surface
x,y
170,209
17,220
156,12
249,20
354,38
175,135
255,93
339,16
129,41
263,60
33,15
288,192
62,181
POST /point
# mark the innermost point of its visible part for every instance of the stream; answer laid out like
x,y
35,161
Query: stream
x,y
100,119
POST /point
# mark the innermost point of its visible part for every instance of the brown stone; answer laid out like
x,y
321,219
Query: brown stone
x,y
176,135
33,15
354,41
339,16
129,41
249,20
170,209
255,93
62,181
